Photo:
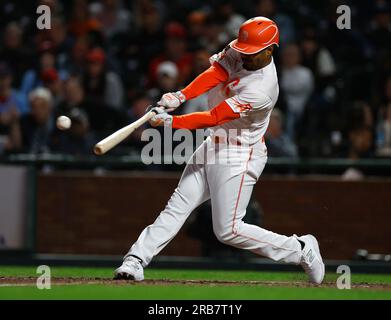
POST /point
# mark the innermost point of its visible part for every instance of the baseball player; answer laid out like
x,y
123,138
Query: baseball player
x,y
242,88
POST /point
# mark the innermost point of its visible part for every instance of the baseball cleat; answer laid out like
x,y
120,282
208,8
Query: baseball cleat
x,y
311,260
131,269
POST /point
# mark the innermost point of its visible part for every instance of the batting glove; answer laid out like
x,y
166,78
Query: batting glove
x,y
172,100
162,118
213,59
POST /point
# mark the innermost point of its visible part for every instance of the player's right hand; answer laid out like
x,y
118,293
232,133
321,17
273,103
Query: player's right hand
x,y
172,100
162,118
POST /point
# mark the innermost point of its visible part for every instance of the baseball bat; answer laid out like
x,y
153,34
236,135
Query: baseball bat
x,y
115,138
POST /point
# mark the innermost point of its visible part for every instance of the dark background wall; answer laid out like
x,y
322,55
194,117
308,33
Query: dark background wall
x,y
81,213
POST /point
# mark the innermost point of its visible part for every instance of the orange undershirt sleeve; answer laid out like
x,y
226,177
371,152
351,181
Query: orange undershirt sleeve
x,y
205,81
218,115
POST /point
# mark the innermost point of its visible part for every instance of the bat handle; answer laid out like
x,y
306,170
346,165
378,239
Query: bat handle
x,y
150,107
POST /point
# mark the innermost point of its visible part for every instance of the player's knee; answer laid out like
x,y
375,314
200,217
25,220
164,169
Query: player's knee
x,y
227,232
224,236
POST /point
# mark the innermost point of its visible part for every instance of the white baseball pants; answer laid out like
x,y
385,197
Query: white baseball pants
x,y
228,182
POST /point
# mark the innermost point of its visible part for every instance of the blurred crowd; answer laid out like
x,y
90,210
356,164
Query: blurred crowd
x,y
104,61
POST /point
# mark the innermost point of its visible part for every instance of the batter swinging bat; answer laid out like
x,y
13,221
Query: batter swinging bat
x,y
115,138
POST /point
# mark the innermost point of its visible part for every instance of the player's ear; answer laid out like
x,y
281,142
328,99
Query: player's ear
x,y
269,50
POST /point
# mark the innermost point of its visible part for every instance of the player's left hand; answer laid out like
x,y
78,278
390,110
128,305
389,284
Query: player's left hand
x,y
171,100
162,118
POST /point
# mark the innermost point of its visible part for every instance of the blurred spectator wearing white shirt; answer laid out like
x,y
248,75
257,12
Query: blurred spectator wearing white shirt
x,y
297,84
37,126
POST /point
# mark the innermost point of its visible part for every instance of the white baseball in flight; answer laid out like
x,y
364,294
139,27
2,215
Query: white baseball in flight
x,y
63,123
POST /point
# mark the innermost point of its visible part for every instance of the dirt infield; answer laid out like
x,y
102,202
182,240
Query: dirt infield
x,y
28,281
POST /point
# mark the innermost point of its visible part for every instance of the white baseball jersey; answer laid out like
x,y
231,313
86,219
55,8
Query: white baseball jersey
x,y
253,94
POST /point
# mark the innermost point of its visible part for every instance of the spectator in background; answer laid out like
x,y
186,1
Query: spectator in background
x,y
380,33
383,132
102,119
297,84
360,146
59,39
380,37
201,63
9,11
230,19
319,59
215,37
37,126
10,99
102,86
360,115
82,25
112,17
196,26
73,97
78,54
268,9
10,139
175,51
167,80
136,111
51,80
279,144
138,48
81,22
14,52
141,7
319,135
359,137
46,60
139,106
150,36
383,123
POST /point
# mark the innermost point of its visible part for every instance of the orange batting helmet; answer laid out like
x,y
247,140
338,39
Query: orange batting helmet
x,y
255,35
